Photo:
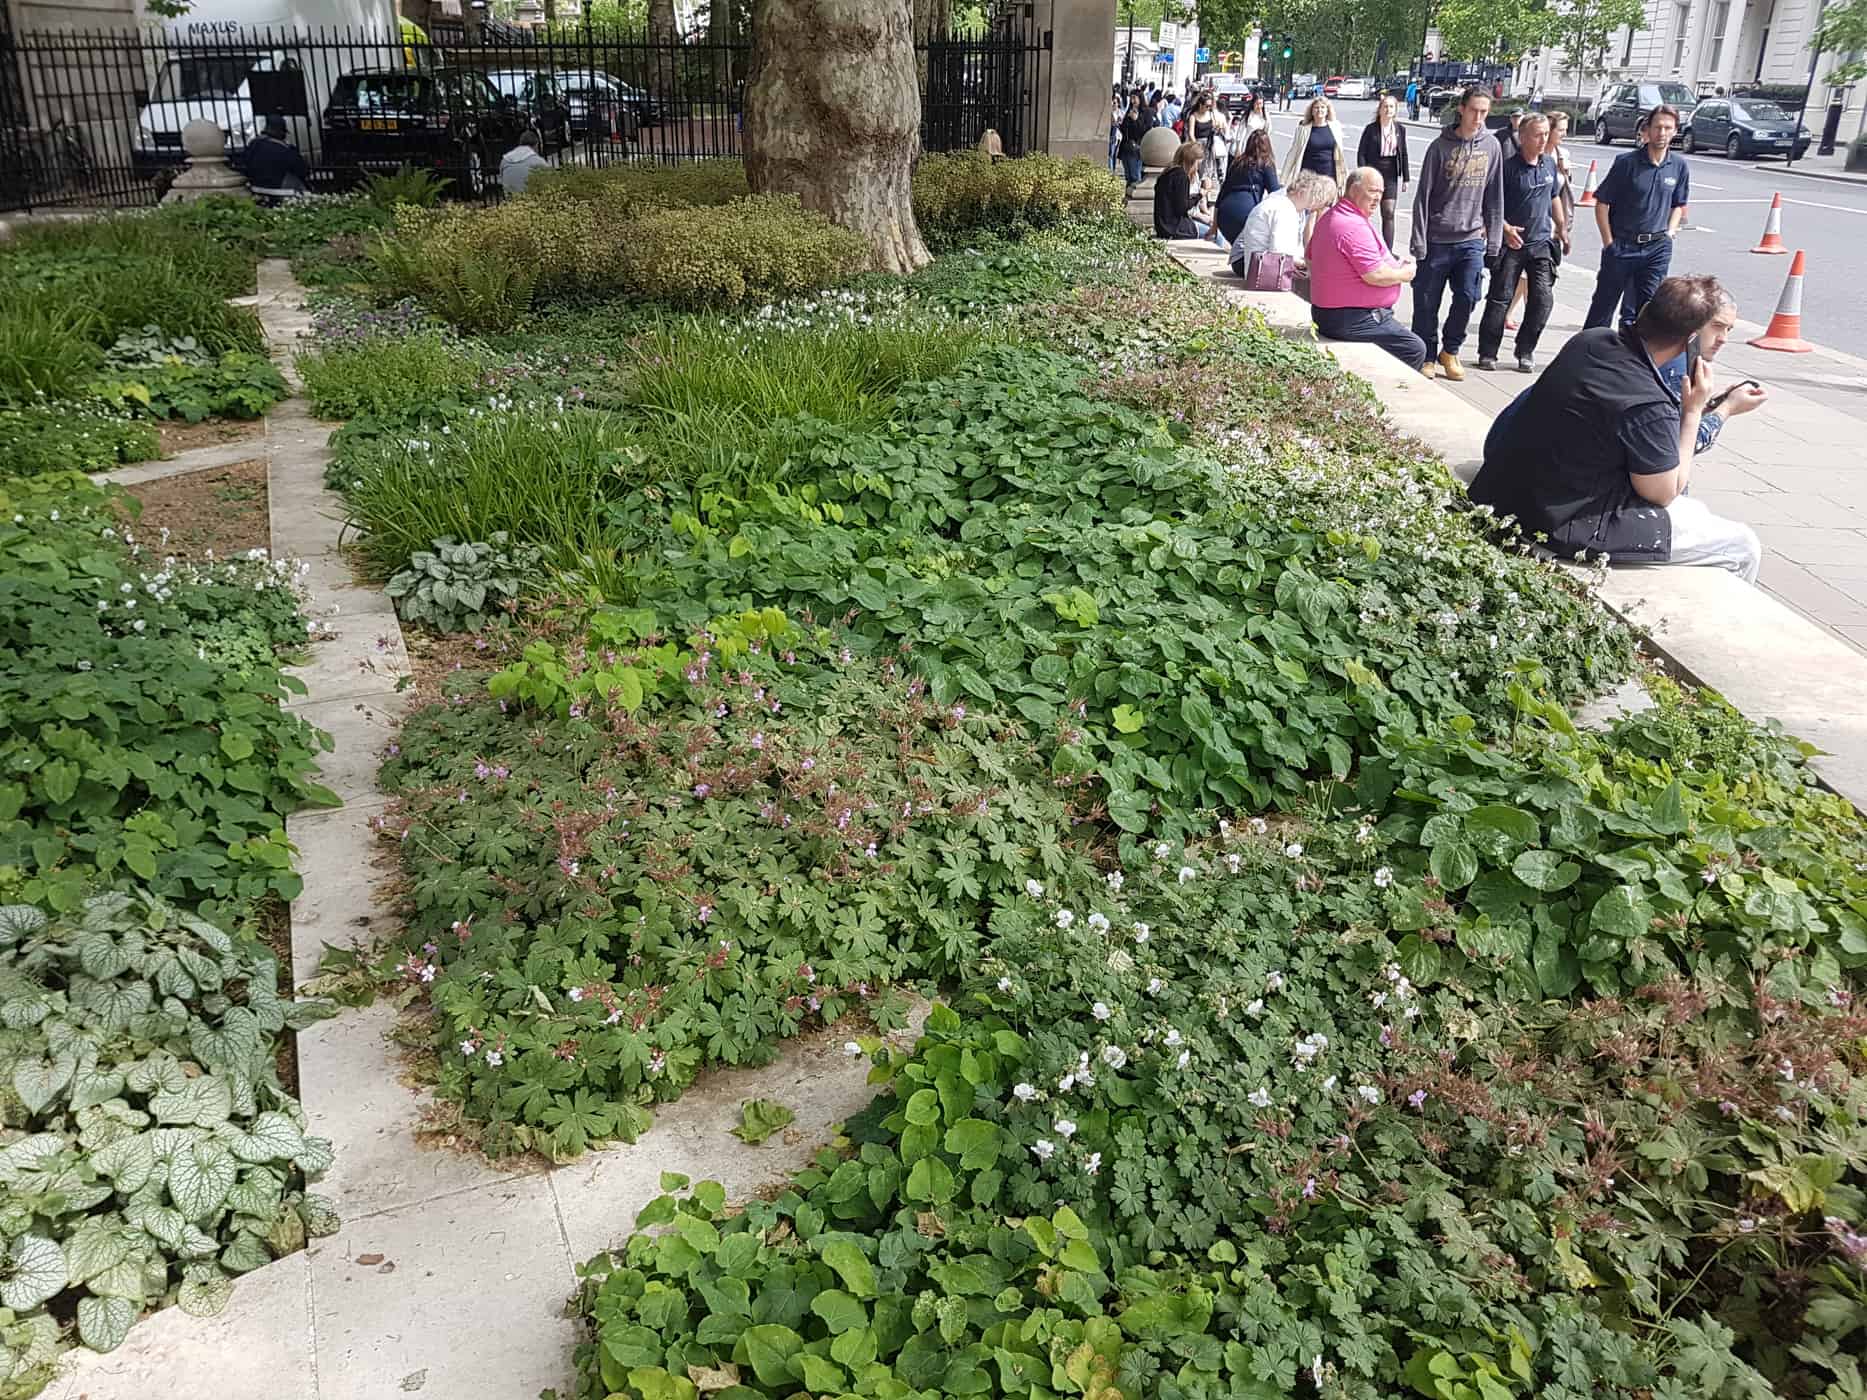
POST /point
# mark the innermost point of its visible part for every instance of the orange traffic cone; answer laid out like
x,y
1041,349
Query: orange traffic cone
x,y
1785,329
1588,186
1773,229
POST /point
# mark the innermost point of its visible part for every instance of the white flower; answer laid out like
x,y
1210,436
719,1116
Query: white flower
x,y
1368,1093
1065,918
1043,1148
1186,1058
1259,1098
575,994
1256,1008
1098,922
467,1047
851,1049
1141,932
1004,984
1259,826
1364,833
1154,985
1161,849
1294,849
1065,1084
1100,1011
1274,982
1379,999
1114,1056
1172,1038
1186,873
1233,861
1033,889
1115,881
1093,1163
494,1058
1328,1084
1383,877
1023,1093
1063,1127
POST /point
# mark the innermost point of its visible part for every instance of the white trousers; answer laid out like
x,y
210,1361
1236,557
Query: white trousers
x,y
1701,537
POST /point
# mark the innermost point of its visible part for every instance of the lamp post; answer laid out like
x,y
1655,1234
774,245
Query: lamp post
x,y
1127,63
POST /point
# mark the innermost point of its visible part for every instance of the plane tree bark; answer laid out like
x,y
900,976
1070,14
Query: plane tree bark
x,y
833,116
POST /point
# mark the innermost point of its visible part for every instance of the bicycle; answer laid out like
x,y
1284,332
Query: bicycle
x,y
52,159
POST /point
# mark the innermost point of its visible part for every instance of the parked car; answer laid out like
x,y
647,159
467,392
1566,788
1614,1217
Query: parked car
x,y
1331,86
1304,85
217,86
1745,127
540,96
588,91
1622,107
1230,93
1351,88
451,119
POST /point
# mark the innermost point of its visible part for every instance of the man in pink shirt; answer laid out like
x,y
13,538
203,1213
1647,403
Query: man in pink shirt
x,y
1354,277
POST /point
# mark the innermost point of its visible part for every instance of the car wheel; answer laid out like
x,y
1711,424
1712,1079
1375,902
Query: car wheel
x,y
1688,145
1603,137
566,137
472,176
1733,148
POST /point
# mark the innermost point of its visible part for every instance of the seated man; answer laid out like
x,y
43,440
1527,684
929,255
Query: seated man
x,y
1597,455
517,164
1730,403
1355,278
275,168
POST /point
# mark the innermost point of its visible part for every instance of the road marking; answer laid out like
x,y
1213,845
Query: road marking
x,y
1817,204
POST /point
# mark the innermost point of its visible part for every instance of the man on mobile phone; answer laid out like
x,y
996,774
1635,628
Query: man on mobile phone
x,y
1639,208
1596,457
1730,402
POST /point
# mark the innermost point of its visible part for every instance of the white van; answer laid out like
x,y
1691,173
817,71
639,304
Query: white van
x,y
236,62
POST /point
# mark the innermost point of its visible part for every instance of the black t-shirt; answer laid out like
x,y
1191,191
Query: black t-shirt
x,y
1562,457
1173,205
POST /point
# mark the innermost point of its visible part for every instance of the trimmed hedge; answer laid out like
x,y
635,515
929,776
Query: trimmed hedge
x,y
958,197
765,245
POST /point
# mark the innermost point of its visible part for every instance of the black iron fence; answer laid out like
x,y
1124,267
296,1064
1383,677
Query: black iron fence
x,y
97,119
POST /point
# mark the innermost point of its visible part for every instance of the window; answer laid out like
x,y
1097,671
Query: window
x,y
1627,47
1720,16
1682,20
219,75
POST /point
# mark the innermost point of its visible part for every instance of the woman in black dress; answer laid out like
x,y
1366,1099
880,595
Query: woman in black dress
x,y
1248,179
1176,197
1384,146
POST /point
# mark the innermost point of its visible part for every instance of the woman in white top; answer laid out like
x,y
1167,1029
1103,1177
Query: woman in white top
x,y
1279,223
517,164
1318,145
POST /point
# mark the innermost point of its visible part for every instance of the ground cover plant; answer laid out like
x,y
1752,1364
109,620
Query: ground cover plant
x,y
152,1155
1329,1015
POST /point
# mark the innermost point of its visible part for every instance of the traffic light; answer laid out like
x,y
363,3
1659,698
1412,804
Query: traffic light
x,y
1288,49
1264,46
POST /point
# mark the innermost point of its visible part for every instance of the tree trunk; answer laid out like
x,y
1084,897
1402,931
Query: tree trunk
x,y
833,116
664,34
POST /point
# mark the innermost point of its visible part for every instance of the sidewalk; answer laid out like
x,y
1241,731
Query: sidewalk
x,y
1793,470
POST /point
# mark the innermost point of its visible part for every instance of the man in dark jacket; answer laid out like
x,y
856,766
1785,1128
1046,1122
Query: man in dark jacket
x,y
1458,224
1596,457
274,166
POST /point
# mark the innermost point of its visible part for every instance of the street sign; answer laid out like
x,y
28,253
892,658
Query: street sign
x,y
1202,54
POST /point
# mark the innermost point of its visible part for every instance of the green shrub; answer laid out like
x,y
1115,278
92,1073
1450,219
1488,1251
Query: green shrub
x,y
959,197
621,192
139,711
288,230
153,1156
388,375
71,437
453,586
152,376
417,188
759,247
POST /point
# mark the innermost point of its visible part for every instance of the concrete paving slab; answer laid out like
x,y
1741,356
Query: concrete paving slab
x,y
598,1195
1805,591
339,906
465,1301
360,651
360,729
351,1085
259,1348
1810,545
195,459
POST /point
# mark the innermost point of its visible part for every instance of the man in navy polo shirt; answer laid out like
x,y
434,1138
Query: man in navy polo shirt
x,y
1638,209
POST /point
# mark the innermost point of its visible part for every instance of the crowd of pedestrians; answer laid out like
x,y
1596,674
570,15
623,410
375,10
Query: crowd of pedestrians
x,y
1596,456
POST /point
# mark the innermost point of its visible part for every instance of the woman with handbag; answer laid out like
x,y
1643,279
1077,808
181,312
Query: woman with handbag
x,y
1207,125
1384,146
1269,253
1135,124
1249,178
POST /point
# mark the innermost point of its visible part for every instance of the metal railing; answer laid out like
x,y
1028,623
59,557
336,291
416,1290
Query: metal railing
x,y
95,119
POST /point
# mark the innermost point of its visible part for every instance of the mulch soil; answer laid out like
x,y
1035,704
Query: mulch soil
x,y
222,509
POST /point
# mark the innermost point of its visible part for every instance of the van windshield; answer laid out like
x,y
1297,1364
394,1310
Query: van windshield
x,y
1678,95
215,76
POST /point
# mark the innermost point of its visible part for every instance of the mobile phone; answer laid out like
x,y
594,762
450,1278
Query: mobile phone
x,y
1726,393
1691,357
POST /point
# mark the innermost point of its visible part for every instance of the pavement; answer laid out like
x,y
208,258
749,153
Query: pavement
x,y
1824,215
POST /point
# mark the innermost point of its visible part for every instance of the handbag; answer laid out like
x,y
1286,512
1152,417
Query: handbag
x,y
1270,272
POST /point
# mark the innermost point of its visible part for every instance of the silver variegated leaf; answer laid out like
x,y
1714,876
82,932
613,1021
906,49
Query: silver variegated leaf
x,y
257,1194
19,922
103,1323
101,956
124,1280
160,1071
116,1004
316,1158
96,1245
128,1162
274,1138
21,1013
29,1154
200,1176
164,1224
35,1270
38,1082
205,1296
204,1101
319,1215
247,1252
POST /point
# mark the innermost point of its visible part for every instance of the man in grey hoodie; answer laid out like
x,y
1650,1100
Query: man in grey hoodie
x,y
1458,223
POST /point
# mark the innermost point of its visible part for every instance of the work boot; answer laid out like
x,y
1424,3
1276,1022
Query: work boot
x,y
1450,367
1430,370
1487,362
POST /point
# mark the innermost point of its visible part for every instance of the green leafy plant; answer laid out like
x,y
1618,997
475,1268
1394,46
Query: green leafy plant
x,y
237,384
384,374
417,188
452,587
151,1154
44,437
756,248
141,735
759,1119
960,196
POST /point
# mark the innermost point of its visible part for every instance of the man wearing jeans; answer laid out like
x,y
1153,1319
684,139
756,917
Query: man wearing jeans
x,y
1458,222
1534,226
1638,208
1354,277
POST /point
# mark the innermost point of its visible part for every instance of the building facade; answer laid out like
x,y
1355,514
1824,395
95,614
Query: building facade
x,y
1705,45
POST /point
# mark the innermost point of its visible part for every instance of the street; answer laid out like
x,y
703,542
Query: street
x,y
1824,218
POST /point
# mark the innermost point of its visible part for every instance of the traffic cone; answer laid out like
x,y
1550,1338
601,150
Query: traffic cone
x,y
1588,187
1773,229
1785,329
